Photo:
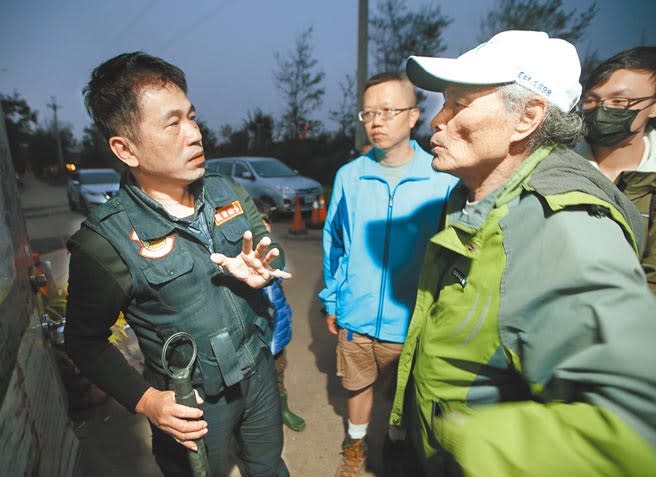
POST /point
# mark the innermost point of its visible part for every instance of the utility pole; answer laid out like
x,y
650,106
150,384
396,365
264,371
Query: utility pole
x,y
60,156
363,40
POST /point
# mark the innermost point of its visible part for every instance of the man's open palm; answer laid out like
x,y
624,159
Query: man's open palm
x,y
252,266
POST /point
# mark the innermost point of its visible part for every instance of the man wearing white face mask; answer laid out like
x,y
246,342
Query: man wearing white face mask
x,y
531,346
619,110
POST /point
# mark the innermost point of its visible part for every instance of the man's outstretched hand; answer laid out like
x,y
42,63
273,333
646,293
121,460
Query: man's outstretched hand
x,y
252,266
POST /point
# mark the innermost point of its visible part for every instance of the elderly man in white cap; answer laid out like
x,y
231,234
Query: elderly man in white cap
x,y
531,348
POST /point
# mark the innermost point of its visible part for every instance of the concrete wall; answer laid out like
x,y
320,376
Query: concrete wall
x,y
36,436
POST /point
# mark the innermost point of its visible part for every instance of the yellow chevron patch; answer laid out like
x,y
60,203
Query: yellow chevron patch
x,y
157,248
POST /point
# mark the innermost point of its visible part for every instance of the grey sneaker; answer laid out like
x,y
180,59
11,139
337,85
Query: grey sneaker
x,y
354,458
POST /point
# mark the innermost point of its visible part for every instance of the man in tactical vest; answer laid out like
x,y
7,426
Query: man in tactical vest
x,y
174,251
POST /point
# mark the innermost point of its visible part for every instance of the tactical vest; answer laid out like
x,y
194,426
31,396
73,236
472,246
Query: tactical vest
x,y
175,287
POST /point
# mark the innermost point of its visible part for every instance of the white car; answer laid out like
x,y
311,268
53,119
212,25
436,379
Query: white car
x,y
88,188
269,181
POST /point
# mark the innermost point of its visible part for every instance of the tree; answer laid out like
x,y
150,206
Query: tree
x,y
210,141
344,115
259,127
300,81
225,132
541,15
237,144
589,61
95,150
20,121
42,149
396,33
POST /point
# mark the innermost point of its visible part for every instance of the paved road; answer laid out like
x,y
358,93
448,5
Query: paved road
x,y
116,442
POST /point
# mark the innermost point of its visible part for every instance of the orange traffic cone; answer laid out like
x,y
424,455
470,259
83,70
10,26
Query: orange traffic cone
x,y
322,209
298,225
315,221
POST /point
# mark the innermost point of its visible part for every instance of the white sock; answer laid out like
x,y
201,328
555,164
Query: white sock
x,y
357,431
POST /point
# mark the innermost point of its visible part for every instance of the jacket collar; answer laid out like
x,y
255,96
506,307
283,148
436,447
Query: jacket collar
x,y
636,181
648,161
475,217
548,171
148,217
417,170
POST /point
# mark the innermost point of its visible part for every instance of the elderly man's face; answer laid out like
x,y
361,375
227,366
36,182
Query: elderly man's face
x,y
472,132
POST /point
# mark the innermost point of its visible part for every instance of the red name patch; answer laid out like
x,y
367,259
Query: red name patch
x,y
228,212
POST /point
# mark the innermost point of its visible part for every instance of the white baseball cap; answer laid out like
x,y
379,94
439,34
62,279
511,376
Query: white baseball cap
x,y
548,66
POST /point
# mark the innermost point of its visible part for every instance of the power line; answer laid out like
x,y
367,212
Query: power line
x,y
193,26
137,17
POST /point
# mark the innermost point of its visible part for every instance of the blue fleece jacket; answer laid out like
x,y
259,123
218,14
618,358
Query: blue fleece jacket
x,y
374,239
282,316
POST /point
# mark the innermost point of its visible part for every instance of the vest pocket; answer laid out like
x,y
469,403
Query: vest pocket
x,y
231,235
226,357
163,271
171,282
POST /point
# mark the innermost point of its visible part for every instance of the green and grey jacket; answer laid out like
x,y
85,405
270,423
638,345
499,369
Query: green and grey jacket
x,y
131,256
531,346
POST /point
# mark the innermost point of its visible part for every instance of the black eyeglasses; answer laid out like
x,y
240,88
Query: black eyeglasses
x,y
591,102
385,113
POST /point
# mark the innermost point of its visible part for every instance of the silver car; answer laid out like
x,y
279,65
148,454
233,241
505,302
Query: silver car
x,y
88,188
270,181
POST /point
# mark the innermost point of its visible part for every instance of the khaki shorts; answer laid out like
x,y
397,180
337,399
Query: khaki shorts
x,y
362,358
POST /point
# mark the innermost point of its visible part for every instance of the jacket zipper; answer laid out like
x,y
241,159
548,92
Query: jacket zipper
x,y
383,279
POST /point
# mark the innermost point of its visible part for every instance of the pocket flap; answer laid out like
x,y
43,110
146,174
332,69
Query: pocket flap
x,y
163,271
233,229
227,357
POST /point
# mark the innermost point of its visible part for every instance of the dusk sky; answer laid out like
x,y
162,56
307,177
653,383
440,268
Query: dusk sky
x,y
227,47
